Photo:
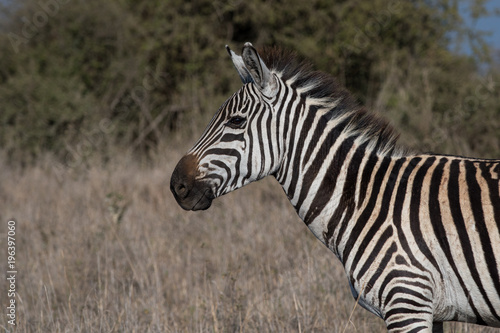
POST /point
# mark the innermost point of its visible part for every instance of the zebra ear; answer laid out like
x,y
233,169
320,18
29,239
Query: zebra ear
x,y
240,66
261,75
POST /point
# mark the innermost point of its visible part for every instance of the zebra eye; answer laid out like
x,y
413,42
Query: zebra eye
x,y
236,122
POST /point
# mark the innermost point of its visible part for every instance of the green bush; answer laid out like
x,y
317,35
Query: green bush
x,y
152,69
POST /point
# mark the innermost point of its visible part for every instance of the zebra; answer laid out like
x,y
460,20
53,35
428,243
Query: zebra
x,y
418,234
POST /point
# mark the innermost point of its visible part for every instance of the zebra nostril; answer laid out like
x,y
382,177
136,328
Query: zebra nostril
x,y
181,190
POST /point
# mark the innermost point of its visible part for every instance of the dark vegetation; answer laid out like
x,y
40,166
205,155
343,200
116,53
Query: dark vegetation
x,y
80,78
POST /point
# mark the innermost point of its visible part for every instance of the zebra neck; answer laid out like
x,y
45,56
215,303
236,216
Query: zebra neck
x,y
322,185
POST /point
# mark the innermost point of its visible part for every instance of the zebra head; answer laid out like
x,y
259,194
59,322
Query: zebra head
x,y
237,147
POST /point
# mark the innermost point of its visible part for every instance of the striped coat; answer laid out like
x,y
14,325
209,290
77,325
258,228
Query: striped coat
x,y
418,234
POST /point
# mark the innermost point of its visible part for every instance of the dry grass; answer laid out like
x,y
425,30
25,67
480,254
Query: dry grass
x,y
109,250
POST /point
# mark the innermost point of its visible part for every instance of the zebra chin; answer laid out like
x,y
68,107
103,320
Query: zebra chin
x,y
202,201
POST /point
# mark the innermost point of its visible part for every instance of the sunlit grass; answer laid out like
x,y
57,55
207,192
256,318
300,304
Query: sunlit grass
x,y
108,250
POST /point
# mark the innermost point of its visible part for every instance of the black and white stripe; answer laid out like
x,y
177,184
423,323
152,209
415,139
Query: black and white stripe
x,y
418,234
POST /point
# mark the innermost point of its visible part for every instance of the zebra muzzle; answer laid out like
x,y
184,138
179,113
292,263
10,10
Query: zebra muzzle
x,y
189,192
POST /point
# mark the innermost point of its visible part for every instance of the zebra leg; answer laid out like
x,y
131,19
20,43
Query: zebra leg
x,y
406,301
409,323
406,313
437,327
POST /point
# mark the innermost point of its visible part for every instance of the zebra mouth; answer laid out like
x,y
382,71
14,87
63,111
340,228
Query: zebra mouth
x,y
204,201
194,198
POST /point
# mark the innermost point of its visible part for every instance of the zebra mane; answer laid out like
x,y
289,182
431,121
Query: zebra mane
x,y
325,89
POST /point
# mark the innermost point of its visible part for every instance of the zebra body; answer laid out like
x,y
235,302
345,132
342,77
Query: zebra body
x,y
418,234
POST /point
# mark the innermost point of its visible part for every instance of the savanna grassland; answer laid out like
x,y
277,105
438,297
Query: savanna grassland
x,y
100,99
109,250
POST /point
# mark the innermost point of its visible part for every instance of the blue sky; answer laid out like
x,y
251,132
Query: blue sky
x,y
490,23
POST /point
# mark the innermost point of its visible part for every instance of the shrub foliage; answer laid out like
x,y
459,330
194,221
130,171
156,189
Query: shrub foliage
x,y
134,73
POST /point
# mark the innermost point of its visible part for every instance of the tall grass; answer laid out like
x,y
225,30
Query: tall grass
x,y
108,250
